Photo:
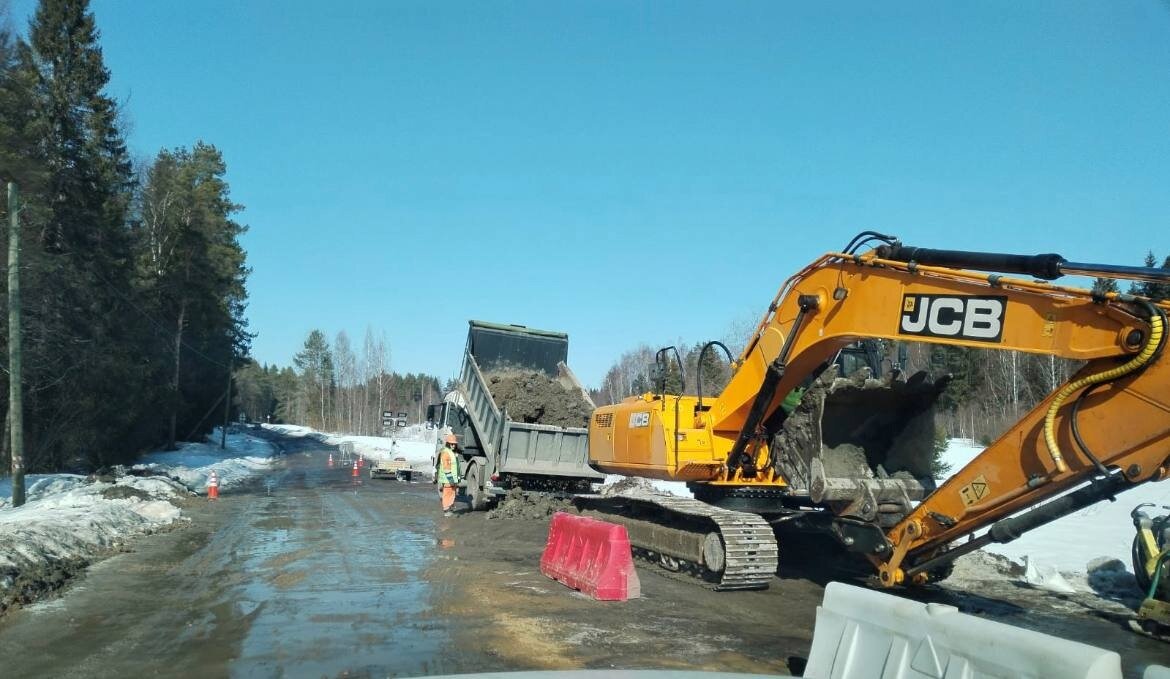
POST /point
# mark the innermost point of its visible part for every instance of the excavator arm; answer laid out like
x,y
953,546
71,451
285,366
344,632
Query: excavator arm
x,y
1106,430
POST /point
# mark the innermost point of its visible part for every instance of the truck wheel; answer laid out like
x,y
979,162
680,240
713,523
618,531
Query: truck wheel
x,y
475,491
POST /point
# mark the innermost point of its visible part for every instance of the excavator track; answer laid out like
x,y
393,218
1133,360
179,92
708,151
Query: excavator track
x,y
738,548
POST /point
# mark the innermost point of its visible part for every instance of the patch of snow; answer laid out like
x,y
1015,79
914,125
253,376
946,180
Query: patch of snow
x,y
193,463
37,486
71,517
292,430
678,488
79,523
1046,577
158,511
1071,543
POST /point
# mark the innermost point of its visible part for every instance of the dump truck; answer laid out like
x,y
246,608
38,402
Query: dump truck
x,y
520,414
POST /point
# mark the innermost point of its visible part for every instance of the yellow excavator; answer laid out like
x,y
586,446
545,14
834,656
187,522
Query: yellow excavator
x,y
792,442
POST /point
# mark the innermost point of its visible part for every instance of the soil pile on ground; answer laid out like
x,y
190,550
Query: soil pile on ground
x,y
23,586
535,398
518,504
123,492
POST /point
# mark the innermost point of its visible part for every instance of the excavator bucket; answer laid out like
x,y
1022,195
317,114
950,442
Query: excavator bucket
x,y
862,446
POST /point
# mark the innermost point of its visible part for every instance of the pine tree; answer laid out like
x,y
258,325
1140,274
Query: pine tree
x,y
1154,290
19,159
192,271
84,340
1102,286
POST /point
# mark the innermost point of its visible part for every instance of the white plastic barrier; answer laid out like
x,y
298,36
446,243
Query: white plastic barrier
x,y
865,634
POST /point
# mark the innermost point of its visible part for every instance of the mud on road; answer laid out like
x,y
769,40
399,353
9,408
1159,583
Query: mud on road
x,y
314,575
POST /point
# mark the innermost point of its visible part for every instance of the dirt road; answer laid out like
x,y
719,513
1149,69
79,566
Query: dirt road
x,y
311,575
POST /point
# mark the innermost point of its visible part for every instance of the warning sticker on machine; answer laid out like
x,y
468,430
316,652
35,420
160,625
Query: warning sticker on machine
x,y
975,491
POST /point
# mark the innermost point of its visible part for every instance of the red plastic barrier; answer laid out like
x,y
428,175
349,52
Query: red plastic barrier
x,y
591,556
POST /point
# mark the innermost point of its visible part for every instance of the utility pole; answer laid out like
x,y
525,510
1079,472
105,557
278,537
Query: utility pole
x,y
15,404
227,409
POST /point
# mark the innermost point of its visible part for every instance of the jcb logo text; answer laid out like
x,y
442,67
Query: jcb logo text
x,y
968,317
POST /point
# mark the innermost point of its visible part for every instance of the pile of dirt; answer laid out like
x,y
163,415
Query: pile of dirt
x,y
519,504
19,587
535,398
123,492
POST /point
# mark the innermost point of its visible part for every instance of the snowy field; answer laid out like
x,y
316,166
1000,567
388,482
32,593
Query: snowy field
x,y
75,518
1070,543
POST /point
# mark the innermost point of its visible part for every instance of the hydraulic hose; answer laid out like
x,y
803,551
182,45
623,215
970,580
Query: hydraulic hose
x,y
1152,347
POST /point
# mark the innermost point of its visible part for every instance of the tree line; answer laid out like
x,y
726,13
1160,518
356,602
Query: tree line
x,y
989,390
336,387
132,275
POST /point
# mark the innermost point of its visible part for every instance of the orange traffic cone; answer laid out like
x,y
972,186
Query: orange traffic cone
x,y
356,478
212,485
361,461
330,459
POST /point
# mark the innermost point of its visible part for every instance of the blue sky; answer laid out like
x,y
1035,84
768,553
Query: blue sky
x,y
638,172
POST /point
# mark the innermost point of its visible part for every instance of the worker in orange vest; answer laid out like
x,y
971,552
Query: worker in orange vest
x,y
447,472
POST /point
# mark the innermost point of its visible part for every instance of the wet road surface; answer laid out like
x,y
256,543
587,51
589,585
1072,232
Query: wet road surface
x,y
311,575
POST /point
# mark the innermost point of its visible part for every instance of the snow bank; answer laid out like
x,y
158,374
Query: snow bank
x,y
292,430
84,520
193,463
1071,543
37,486
69,520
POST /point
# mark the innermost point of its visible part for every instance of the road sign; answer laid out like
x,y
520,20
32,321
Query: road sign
x,y
387,414
401,415
402,422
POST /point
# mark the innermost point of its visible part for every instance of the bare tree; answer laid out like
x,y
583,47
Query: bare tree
x,y
345,362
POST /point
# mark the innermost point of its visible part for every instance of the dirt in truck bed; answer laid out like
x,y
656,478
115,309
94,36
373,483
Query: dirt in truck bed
x,y
535,398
